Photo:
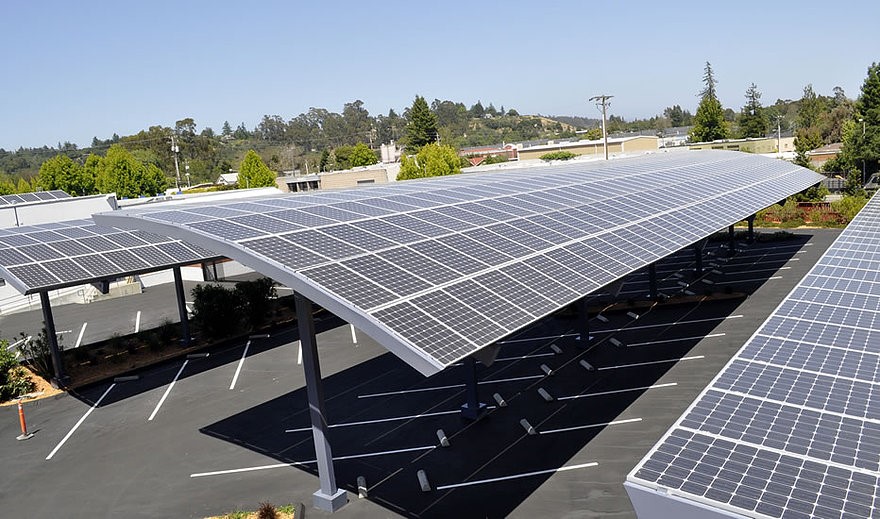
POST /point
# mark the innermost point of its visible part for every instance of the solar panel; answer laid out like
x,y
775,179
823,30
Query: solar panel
x,y
528,241
39,196
791,426
47,256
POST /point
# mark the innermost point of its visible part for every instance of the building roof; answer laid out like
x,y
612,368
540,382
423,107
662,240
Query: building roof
x,y
439,269
555,145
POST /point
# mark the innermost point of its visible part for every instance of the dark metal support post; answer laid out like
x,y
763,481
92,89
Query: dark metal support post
x,y
181,308
751,222
583,322
731,241
329,497
61,377
652,281
472,408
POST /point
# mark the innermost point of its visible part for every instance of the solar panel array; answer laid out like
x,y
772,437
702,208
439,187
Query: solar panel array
x,y
39,196
40,257
791,426
450,265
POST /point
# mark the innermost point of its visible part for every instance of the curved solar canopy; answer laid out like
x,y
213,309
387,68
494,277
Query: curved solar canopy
x,y
43,257
791,426
438,269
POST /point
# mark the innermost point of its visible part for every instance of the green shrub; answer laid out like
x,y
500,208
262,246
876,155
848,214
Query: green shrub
x,y
254,298
14,380
849,206
216,310
558,155
167,332
37,353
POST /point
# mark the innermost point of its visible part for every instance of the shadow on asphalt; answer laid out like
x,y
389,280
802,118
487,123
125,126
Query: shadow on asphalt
x,y
388,452
371,437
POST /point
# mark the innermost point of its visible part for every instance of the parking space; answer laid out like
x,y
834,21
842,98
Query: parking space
x,y
206,435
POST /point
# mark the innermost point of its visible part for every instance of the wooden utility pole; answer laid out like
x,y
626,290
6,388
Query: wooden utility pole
x,y
603,101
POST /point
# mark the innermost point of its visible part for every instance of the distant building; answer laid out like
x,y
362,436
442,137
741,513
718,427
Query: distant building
x,y
820,156
227,179
766,145
477,155
362,176
616,146
390,152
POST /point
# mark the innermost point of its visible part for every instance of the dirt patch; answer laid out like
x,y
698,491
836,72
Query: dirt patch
x,y
42,390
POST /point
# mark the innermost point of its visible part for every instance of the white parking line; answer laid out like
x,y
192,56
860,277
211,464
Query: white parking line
x,y
612,330
137,322
516,476
680,339
354,337
527,339
747,280
167,392
453,386
240,364
81,420
616,391
732,272
520,357
80,338
383,420
694,357
299,353
309,462
590,426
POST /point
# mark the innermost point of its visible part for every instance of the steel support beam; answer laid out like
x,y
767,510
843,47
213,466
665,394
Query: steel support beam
x,y
329,497
652,281
61,379
731,241
472,408
751,221
181,308
583,319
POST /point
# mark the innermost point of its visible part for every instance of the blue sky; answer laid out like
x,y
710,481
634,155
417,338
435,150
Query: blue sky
x,y
74,70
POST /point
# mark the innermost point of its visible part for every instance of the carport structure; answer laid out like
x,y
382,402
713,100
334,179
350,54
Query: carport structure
x,y
440,270
38,258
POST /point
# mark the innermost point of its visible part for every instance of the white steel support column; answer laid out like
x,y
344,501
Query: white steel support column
x,y
329,497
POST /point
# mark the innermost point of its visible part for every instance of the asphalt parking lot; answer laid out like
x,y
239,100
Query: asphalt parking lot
x,y
202,436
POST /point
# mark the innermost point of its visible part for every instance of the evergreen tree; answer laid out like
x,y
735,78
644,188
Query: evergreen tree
x,y
227,129
753,120
253,172
422,126
709,124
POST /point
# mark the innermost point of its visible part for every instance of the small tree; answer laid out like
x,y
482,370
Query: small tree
x,y
557,155
253,172
421,127
753,120
709,123
431,161
37,352
362,155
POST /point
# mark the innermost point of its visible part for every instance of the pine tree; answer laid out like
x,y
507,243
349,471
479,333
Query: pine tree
x,y
753,120
422,126
253,172
709,124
